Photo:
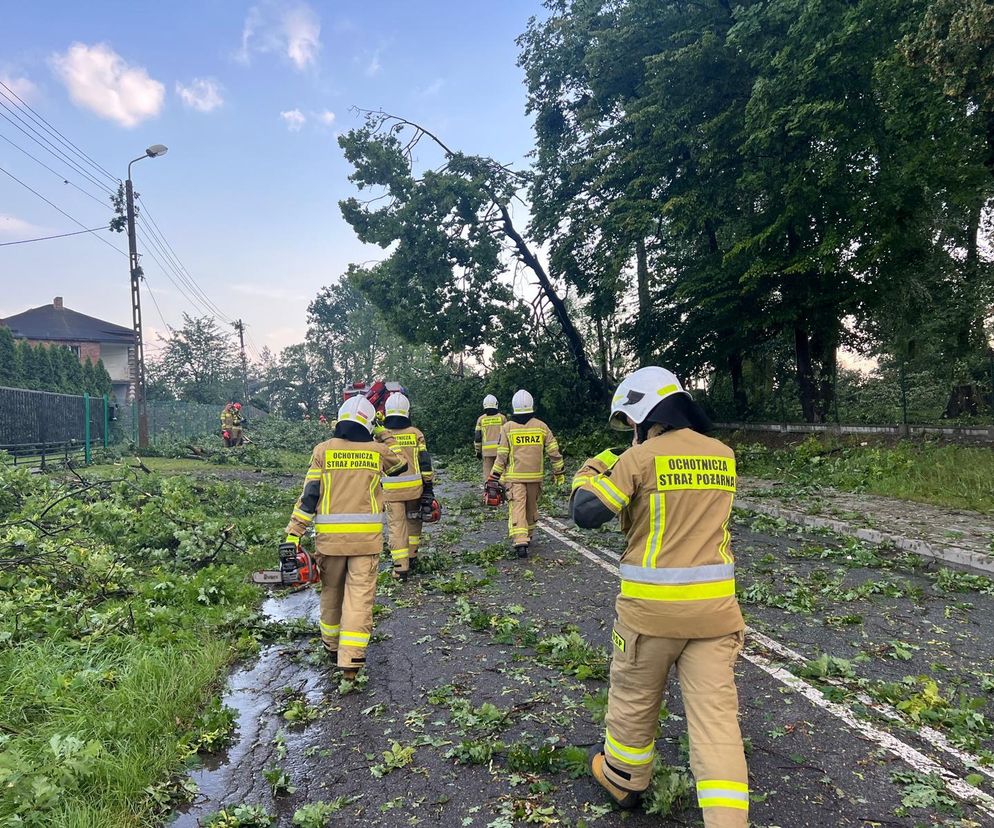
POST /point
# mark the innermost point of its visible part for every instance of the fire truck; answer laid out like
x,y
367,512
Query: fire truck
x,y
376,393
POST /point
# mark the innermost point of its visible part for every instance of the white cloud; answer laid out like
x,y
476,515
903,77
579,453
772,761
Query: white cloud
x,y
14,227
98,79
294,119
202,94
327,117
374,67
292,29
23,88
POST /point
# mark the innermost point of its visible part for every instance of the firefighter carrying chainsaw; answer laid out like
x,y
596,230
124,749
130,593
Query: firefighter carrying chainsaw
x,y
673,491
343,500
410,497
520,467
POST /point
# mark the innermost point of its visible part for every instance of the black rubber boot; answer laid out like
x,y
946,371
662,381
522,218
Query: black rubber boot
x,y
521,551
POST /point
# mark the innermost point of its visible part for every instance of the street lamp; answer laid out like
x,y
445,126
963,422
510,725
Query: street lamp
x,y
153,151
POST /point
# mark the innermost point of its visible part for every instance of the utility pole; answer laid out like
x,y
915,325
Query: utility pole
x,y
239,326
136,315
136,303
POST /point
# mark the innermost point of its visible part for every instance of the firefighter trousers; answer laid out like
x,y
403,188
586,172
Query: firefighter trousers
x,y
488,467
348,589
403,533
522,513
639,670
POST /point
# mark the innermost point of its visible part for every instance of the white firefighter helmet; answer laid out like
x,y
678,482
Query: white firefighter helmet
x,y
489,401
522,402
639,393
358,409
397,405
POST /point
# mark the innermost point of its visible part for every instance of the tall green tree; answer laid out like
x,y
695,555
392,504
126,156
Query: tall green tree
x,y
10,375
199,362
452,237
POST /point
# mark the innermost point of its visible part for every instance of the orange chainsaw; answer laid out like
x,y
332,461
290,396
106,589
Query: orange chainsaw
x,y
297,568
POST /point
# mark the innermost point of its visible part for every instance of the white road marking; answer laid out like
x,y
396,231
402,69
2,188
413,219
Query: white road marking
x,y
916,759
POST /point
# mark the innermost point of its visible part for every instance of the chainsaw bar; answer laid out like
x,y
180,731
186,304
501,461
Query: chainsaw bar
x,y
270,576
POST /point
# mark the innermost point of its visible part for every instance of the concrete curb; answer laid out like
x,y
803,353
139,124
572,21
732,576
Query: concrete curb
x,y
947,553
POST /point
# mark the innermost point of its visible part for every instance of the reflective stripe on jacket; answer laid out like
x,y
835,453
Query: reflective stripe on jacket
x,y
342,497
673,494
410,444
522,449
486,437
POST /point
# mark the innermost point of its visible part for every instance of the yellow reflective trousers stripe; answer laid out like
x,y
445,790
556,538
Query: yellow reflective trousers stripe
x,y
348,528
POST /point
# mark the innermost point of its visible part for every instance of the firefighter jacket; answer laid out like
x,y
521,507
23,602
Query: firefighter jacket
x,y
227,419
410,443
342,497
673,494
236,419
522,449
486,438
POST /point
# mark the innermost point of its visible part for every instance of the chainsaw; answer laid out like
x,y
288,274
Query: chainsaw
x,y
297,568
427,509
494,493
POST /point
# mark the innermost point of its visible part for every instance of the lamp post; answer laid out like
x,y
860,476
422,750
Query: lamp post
x,y
153,151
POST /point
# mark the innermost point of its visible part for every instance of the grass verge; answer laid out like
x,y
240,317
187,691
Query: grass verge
x,y
123,599
929,472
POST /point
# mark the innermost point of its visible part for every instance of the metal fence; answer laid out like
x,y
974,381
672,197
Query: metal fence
x,y
172,419
980,434
38,427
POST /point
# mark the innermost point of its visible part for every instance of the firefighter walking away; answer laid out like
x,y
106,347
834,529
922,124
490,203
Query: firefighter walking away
x,y
673,490
342,499
404,493
520,465
486,437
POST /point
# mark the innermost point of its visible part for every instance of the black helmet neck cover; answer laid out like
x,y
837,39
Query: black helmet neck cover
x,y
353,432
676,411
521,419
397,421
490,411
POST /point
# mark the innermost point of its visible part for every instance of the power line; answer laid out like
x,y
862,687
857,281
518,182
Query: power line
x,y
46,238
150,251
73,219
56,173
47,145
62,138
194,286
155,302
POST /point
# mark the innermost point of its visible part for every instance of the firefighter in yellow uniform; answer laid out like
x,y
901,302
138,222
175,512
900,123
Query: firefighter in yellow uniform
x,y
237,424
402,494
673,491
227,421
343,500
486,437
520,465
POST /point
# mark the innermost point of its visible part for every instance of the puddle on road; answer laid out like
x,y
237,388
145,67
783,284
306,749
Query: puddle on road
x,y
236,775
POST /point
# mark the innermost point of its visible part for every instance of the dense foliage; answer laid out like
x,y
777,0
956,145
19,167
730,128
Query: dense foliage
x,y
49,368
199,363
122,600
737,191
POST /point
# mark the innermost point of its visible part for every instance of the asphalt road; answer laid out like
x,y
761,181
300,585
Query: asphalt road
x,y
891,731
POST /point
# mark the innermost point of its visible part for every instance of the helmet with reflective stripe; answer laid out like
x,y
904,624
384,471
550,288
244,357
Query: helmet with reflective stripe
x,y
358,409
522,402
639,393
489,401
397,405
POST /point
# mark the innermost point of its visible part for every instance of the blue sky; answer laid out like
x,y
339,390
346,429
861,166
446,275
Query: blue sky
x,y
249,98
